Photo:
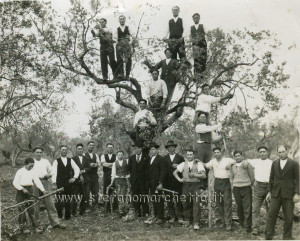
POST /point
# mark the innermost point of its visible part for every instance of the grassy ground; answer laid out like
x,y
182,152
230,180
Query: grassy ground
x,y
97,227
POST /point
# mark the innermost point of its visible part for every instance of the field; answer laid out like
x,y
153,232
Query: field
x,y
97,227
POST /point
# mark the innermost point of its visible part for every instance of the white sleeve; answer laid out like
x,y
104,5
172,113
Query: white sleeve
x,y
75,168
213,99
164,89
251,162
130,34
204,128
180,167
115,35
103,159
148,91
209,165
152,118
135,121
38,182
16,181
54,171
200,167
97,159
113,171
49,167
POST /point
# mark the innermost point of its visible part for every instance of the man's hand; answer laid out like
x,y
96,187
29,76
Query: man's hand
x,y
81,179
71,180
81,172
268,198
159,187
45,192
25,191
296,198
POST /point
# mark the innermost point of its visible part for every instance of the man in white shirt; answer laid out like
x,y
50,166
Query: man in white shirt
x,y
123,37
65,172
106,48
119,177
193,171
143,113
222,186
262,170
174,36
157,92
43,170
23,182
205,100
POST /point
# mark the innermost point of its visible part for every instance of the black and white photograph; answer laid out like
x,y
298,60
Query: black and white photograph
x,y
149,120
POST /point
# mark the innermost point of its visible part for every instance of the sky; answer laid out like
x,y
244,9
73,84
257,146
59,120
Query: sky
x,y
280,17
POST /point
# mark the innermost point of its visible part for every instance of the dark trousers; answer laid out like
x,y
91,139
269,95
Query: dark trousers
x,y
191,204
288,210
121,190
224,200
200,55
106,183
94,188
123,52
204,154
107,52
174,204
64,199
81,196
177,47
243,199
158,203
260,193
140,201
21,197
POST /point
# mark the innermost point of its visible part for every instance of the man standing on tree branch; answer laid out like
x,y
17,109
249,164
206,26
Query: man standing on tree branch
x,y
106,48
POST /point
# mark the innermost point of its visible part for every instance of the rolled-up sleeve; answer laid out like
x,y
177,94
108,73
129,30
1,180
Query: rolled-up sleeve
x,y
75,168
164,89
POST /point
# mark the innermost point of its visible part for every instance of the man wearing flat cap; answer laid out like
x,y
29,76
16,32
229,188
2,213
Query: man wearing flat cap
x,y
172,160
139,171
156,175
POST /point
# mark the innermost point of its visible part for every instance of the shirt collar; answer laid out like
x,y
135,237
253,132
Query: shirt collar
x,y
175,18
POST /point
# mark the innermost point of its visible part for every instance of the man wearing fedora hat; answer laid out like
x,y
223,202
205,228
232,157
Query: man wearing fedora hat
x,y
172,160
156,175
139,171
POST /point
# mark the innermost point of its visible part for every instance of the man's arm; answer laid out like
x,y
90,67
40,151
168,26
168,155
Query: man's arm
x,y
54,171
16,181
271,182
104,163
165,93
113,175
38,182
204,128
151,118
76,170
175,174
87,167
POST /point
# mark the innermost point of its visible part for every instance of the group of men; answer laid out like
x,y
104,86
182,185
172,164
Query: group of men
x,y
179,181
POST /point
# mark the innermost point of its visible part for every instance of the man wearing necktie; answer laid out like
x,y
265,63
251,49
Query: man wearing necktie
x,y
283,192
139,171
81,184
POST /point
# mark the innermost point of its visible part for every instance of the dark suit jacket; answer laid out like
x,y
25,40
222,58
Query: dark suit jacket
x,y
168,72
139,172
156,172
170,181
286,181
84,166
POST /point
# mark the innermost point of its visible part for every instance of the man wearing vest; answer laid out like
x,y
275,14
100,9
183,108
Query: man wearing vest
x,y
65,172
204,142
192,171
262,170
174,36
139,171
172,160
81,184
156,175
123,37
94,160
243,178
43,169
120,177
283,192
169,69
107,162
197,38
106,48
222,186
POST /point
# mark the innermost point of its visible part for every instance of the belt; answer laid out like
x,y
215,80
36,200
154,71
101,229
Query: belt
x,y
265,183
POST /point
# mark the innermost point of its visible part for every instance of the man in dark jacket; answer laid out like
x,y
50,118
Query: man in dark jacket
x,y
81,184
156,174
139,171
172,160
283,192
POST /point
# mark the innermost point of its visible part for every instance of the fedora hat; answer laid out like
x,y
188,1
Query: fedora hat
x,y
170,143
153,144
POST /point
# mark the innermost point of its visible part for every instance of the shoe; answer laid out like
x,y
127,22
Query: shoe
x,y
181,221
38,230
26,231
228,228
171,220
60,225
196,227
150,220
159,221
255,232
